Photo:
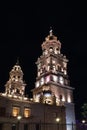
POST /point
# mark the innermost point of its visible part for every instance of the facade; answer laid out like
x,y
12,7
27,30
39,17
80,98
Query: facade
x,y
52,104
52,82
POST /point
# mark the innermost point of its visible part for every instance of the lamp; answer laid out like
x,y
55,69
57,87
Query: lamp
x,y
57,120
19,117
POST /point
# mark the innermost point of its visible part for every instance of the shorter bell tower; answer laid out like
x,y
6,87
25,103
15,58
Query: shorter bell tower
x,y
15,86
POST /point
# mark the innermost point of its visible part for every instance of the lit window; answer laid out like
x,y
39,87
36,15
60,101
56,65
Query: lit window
x,y
37,97
54,68
15,111
48,60
47,79
39,66
47,94
61,80
48,67
69,99
55,78
64,64
27,112
46,52
56,51
42,81
38,73
37,84
51,49
65,72
53,61
62,69
63,99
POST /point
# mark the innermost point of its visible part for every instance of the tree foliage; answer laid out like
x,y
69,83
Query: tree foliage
x,y
84,111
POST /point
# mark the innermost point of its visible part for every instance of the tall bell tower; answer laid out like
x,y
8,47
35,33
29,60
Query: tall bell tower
x,y
52,82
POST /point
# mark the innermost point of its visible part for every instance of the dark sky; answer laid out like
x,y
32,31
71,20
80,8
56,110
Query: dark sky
x,y
23,29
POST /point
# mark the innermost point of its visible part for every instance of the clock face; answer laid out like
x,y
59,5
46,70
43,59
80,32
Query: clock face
x,y
61,80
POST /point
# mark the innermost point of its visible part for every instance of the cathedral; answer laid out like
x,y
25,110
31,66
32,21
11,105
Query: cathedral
x,y
51,106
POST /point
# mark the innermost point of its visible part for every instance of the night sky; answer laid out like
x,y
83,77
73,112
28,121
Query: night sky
x,y
23,29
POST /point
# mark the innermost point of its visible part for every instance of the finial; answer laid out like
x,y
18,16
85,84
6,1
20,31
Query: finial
x,y
17,63
51,31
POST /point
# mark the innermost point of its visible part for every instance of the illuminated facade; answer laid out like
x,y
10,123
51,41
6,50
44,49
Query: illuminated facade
x,y
15,86
15,107
52,100
52,83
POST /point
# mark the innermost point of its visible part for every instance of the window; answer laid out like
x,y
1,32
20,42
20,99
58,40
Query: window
x,y
37,84
53,61
42,81
47,79
37,127
2,111
18,77
45,52
15,111
61,80
54,68
48,68
25,126
50,49
55,78
13,126
27,112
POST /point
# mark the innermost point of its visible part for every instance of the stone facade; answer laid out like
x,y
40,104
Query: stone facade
x,y
52,105
38,114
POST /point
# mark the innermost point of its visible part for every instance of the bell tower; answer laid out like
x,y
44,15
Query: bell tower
x,y
52,84
15,86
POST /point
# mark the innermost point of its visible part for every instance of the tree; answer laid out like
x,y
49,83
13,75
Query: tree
x,y
84,111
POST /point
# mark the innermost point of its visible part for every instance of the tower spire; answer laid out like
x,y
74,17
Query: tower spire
x,y
17,63
15,86
51,31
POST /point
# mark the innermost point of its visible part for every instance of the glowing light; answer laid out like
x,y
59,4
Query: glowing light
x,y
27,112
69,99
47,79
65,72
55,78
53,61
61,80
42,81
25,98
15,111
15,96
47,94
63,99
57,119
37,98
37,84
19,117
9,95
50,49
4,94
48,68
83,121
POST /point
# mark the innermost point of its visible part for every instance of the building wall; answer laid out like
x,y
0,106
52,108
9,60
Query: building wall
x,y
40,114
70,116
